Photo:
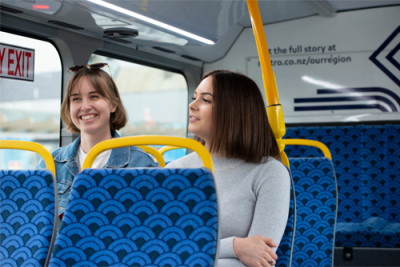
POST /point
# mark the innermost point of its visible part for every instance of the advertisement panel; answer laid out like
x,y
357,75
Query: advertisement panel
x,y
17,62
345,68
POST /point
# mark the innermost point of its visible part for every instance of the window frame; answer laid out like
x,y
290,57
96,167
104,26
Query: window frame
x,y
41,38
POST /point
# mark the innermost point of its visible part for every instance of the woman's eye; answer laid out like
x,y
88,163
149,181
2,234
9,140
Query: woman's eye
x,y
193,98
75,99
94,96
205,100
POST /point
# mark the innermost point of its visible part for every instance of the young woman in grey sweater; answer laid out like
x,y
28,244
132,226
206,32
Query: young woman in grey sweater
x,y
228,116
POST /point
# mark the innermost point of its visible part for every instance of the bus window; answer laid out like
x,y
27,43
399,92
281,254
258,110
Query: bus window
x,y
30,110
155,100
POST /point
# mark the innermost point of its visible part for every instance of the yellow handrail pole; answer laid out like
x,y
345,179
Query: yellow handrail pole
x,y
157,155
274,109
262,47
146,140
34,147
303,142
167,148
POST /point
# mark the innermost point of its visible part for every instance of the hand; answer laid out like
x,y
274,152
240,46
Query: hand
x,y
255,251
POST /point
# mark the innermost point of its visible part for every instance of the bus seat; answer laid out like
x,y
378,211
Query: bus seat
x,y
139,217
367,167
28,211
285,249
316,207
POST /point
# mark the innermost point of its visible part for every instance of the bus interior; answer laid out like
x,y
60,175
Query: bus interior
x,y
336,66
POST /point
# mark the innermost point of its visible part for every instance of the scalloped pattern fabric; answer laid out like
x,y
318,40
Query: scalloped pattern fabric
x,y
316,198
367,166
139,217
284,251
26,217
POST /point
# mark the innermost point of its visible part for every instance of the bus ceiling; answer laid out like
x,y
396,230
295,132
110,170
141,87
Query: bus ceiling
x,y
193,32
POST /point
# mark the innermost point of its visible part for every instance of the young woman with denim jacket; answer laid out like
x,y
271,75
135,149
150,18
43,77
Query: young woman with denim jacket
x,y
92,107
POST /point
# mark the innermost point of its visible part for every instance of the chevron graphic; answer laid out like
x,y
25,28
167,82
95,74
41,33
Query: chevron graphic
x,y
390,57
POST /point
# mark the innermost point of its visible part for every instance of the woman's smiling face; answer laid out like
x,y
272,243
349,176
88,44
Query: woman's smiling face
x,y
90,111
200,110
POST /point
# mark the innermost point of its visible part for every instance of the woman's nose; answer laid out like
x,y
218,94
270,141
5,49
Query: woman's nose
x,y
193,105
85,104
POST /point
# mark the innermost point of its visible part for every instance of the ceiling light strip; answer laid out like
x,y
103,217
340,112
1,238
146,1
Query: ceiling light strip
x,y
152,21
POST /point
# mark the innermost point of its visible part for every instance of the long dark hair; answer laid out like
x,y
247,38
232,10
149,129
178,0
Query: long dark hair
x,y
240,123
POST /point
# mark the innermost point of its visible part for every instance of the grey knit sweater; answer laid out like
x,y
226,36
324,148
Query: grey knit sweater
x,y
253,200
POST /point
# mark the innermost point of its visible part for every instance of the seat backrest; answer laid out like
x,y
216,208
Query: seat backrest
x,y
285,249
316,207
367,166
27,213
139,217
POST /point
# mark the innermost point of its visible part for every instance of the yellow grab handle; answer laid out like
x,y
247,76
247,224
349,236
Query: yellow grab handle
x,y
167,148
149,140
303,142
30,146
262,47
277,123
284,159
155,153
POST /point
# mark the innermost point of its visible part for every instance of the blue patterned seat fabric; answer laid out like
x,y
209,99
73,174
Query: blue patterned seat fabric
x,y
284,250
139,217
367,166
316,202
27,211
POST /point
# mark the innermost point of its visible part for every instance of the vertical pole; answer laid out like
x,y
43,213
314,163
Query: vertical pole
x,y
274,109
262,47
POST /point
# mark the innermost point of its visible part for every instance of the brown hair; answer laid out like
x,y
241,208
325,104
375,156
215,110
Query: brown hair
x,y
105,86
240,123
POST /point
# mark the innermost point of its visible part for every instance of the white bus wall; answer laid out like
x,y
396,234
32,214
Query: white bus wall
x,y
341,57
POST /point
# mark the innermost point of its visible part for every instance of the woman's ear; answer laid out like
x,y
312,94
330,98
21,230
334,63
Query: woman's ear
x,y
113,107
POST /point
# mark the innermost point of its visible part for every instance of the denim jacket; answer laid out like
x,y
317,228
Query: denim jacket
x,y
67,168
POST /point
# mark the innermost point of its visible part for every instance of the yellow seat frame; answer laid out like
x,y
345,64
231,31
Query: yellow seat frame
x,y
30,146
149,140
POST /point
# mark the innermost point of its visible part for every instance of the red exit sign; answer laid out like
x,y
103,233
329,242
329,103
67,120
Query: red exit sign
x,y
17,62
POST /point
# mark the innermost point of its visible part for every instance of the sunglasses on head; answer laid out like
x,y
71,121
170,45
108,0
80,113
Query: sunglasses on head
x,y
94,66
